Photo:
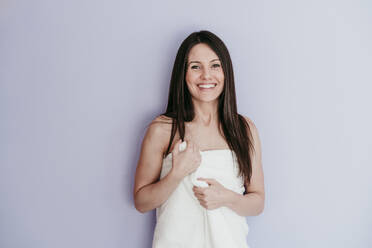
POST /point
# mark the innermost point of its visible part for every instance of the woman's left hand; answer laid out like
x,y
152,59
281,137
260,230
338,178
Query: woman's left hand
x,y
212,197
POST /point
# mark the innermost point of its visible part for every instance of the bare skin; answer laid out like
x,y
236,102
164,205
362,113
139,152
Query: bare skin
x,y
201,134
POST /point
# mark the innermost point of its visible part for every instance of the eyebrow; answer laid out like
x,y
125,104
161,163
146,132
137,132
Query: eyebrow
x,y
200,62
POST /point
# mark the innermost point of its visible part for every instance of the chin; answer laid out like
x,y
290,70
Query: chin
x,y
207,99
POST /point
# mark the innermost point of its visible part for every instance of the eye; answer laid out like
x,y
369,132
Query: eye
x,y
215,65
194,67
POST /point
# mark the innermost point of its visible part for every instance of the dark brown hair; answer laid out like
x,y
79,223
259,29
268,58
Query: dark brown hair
x,y
233,126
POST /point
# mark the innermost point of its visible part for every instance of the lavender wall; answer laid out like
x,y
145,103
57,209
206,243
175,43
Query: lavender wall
x,y
80,80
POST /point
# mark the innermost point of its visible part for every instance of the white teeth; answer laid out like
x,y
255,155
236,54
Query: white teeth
x,y
207,86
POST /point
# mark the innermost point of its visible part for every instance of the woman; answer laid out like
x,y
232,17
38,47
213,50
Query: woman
x,y
203,192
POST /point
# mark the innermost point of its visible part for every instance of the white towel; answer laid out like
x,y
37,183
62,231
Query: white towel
x,y
181,222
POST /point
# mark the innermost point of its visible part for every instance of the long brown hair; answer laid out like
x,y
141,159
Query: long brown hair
x,y
234,127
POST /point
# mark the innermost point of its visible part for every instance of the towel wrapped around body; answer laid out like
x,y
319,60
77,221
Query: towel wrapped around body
x,y
181,222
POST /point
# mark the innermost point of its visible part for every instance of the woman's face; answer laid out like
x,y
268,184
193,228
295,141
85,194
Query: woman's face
x,y
204,75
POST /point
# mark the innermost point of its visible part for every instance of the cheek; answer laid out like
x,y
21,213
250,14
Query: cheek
x,y
190,77
221,77
189,84
187,76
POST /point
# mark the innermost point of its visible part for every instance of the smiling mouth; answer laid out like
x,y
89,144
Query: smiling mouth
x,y
207,86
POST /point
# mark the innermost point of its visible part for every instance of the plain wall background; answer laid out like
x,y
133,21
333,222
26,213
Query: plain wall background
x,y
80,80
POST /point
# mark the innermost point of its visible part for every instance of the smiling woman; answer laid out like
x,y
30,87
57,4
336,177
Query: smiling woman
x,y
200,163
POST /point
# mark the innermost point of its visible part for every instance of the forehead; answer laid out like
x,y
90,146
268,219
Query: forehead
x,y
201,52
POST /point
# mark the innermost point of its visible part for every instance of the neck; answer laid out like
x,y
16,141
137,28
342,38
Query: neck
x,y
206,113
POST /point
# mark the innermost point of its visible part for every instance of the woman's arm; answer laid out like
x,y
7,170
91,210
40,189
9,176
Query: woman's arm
x,y
253,202
149,191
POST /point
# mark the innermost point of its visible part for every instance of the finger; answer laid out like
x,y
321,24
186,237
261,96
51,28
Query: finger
x,y
207,205
176,147
199,196
199,193
194,148
189,145
197,147
198,190
210,181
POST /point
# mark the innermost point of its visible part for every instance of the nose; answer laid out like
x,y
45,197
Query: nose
x,y
206,74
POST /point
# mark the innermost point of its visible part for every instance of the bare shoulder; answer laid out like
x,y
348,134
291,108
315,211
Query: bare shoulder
x,y
162,119
158,131
256,142
153,146
251,124
252,128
